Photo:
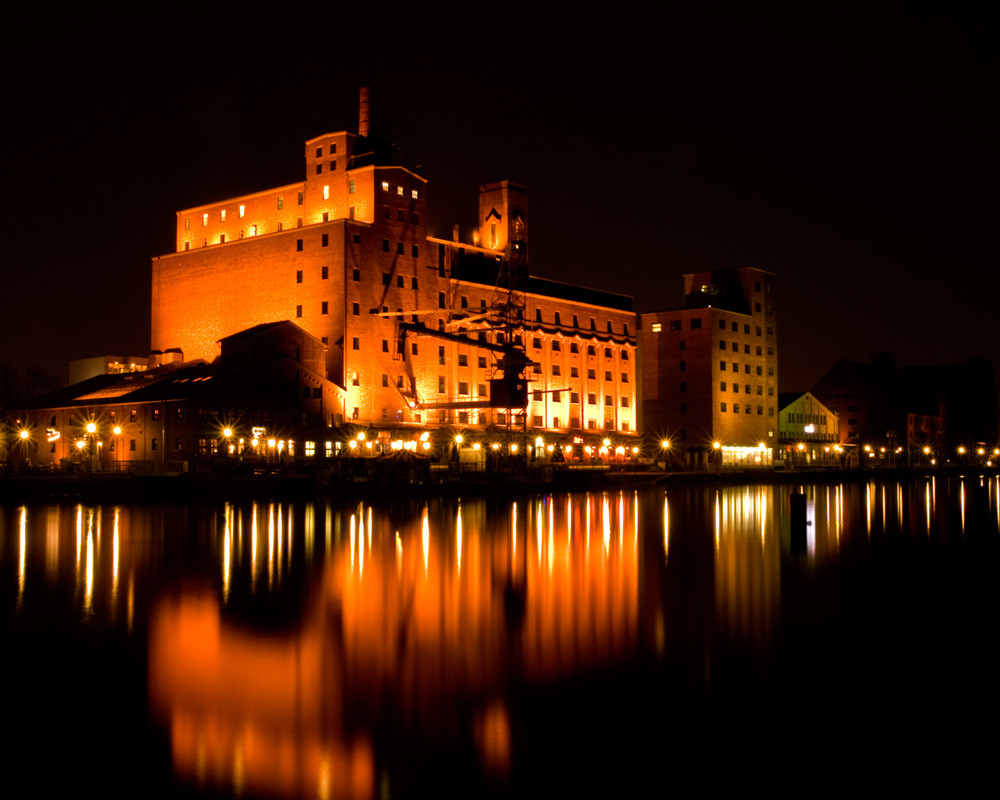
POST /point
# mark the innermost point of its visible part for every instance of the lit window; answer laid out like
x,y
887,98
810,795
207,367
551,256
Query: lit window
x,y
414,194
253,230
204,220
187,223
350,187
243,210
222,215
281,203
656,327
326,192
399,190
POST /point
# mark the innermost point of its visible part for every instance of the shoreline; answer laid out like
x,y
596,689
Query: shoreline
x,y
113,487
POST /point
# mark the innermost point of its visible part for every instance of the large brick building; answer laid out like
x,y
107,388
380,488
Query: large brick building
x,y
409,320
710,369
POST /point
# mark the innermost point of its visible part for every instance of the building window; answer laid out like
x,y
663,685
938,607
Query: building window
x,y
326,239
154,445
609,400
463,360
298,312
385,186
416,251
333,165
356,275
463,388
399,248
325,308
722,366
556,347
607,375
355,343
413,284
350,187
482,362
624,402
592,374
591,399
722,407
656,327
683,366
695,324
591,350
131,445
413,348
298,245
298,276
441,300
556,370
574,372
441,384
440,355
722,344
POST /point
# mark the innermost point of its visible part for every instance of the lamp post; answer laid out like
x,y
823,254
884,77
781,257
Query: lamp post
x,y
665,446
91,430
118,445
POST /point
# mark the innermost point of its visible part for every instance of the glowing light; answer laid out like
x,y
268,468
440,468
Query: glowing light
x,y
117,430
716,445
458,439
91,427
227,432
665,444
24,434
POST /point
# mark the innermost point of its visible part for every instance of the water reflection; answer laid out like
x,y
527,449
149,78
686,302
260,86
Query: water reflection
x,y
418,619
320,649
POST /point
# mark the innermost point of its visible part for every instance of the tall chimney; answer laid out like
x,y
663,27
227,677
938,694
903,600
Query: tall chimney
x,y
363,116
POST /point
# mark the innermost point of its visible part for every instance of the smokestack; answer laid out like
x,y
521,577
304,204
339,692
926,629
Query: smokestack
x,y
363,115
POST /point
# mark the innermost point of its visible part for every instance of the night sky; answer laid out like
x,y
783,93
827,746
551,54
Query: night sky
x,y
852,154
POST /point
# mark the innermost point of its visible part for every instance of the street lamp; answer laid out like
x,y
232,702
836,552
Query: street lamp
x,y
91,430
117,430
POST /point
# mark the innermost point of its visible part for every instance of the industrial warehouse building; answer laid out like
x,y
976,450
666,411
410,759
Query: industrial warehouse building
x,y
710,369
417,329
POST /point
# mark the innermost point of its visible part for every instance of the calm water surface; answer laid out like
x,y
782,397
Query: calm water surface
x,y
605,643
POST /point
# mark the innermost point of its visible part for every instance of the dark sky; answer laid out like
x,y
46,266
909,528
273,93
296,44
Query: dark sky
x,y
852,154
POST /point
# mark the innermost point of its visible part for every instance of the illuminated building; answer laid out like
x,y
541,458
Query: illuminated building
x,y
808,431
82,368
710,369
267,388
345,254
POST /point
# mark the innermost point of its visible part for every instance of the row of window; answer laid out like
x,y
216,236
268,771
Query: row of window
x,y
576,322
401,248
324,274
747,409
735,367
324,310
736,347
400,191
574,348
735,388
